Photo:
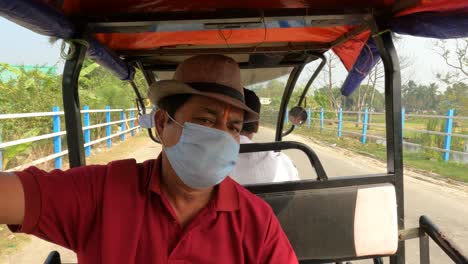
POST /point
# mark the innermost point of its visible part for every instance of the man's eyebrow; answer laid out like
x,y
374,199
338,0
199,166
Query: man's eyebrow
x,y
210,111
236,121
216,113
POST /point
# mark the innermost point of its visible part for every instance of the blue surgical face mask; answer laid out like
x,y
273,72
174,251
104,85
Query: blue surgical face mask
x,y
204,156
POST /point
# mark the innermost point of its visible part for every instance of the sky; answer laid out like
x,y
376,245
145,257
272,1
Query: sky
x,y
26,47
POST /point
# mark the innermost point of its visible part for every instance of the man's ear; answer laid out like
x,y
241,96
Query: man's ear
x,y
256,127
160,120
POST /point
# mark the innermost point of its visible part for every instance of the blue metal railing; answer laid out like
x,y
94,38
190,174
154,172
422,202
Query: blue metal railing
x,y
58,133
337,125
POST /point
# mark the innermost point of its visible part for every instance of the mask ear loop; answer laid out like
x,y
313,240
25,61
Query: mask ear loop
x,y
171,118
157,132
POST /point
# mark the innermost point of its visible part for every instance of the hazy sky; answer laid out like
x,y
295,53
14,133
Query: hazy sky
x,y
22,46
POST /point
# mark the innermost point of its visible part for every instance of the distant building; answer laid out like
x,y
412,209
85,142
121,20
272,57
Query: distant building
x,y
265,100
6,75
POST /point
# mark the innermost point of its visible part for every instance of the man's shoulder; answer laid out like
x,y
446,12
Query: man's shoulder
x,y
117,172
130,165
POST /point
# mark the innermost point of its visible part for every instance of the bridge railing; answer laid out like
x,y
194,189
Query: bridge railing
x,y
126,123
336,121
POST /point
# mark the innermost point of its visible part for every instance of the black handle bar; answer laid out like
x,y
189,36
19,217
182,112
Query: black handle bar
x,y
442,240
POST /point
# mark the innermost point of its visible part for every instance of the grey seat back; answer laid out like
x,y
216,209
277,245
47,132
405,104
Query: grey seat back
x,y
321,223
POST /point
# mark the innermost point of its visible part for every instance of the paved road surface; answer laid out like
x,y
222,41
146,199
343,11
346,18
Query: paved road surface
x,y
447,205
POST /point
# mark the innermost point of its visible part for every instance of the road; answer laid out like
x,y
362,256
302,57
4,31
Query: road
x,y
446,204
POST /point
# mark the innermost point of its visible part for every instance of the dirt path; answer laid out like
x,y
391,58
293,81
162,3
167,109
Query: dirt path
x,y
446,203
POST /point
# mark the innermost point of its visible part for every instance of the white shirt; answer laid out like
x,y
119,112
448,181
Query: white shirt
x,y
263,167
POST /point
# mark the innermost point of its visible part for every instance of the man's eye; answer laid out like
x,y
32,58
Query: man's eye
x,y
205,121
235,130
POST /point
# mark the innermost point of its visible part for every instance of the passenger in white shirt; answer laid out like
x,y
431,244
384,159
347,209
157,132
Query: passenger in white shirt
x,y
261,167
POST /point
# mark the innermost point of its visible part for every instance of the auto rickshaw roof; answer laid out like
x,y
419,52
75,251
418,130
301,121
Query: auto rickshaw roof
x,y
158,34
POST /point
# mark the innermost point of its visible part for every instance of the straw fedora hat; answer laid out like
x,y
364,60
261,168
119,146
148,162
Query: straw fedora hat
x,y
214,76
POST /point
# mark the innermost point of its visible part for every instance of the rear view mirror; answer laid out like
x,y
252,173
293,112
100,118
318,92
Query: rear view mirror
x,y
297,115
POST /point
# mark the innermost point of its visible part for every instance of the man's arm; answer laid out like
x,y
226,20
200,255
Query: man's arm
x,y
52,205
11,199
277,248
286,171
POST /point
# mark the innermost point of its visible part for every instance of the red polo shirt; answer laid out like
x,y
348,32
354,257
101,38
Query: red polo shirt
x,y
116,213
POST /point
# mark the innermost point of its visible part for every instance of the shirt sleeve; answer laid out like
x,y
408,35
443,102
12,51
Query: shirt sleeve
x,y
286,171
277,248
61,206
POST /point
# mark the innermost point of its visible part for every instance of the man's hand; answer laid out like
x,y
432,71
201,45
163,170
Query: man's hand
x,y
11,199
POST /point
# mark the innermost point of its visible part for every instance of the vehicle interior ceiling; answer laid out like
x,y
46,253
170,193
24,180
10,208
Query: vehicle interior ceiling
x,y
256,66
260,59
259,62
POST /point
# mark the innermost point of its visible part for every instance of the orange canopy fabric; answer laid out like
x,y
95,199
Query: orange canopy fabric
x,y
106,7
347,51
136,41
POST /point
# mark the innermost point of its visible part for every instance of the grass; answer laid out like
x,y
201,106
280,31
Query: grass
x,y
452,170
425,161
9,242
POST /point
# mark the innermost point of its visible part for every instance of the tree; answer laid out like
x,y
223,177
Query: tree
x,y
456,59
420,98
334,98
455,97
29,89
99,87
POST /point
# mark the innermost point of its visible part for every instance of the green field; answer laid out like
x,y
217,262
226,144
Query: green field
x,y
429,161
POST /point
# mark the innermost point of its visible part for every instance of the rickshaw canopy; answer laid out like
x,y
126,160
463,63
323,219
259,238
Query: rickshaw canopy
x,y
161,33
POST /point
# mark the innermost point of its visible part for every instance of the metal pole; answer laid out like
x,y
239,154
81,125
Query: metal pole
x,y
442,240
122,125
403,123
424,256
313,77
448,137
71,106
108,127
364,126
322,115
340,121
57,139
87,132
393,125
293,77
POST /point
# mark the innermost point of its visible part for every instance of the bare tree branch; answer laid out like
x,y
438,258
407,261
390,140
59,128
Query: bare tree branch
x,y
456,59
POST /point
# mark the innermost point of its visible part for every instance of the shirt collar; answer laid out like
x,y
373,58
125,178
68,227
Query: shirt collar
x,y
226,193
245,140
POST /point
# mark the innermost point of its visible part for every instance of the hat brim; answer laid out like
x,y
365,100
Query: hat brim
x,y
166,88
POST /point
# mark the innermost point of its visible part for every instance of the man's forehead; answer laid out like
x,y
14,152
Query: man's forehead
x,y
204,103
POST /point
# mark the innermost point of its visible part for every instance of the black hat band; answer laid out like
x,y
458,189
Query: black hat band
x,y
219,89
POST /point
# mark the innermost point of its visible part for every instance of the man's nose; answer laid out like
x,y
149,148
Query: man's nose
x,y
222,125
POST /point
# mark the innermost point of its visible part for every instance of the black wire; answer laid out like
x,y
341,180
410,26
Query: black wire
x,y
142,111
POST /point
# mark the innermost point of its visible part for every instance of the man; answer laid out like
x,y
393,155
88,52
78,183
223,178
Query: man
x,y
260,167
179,208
